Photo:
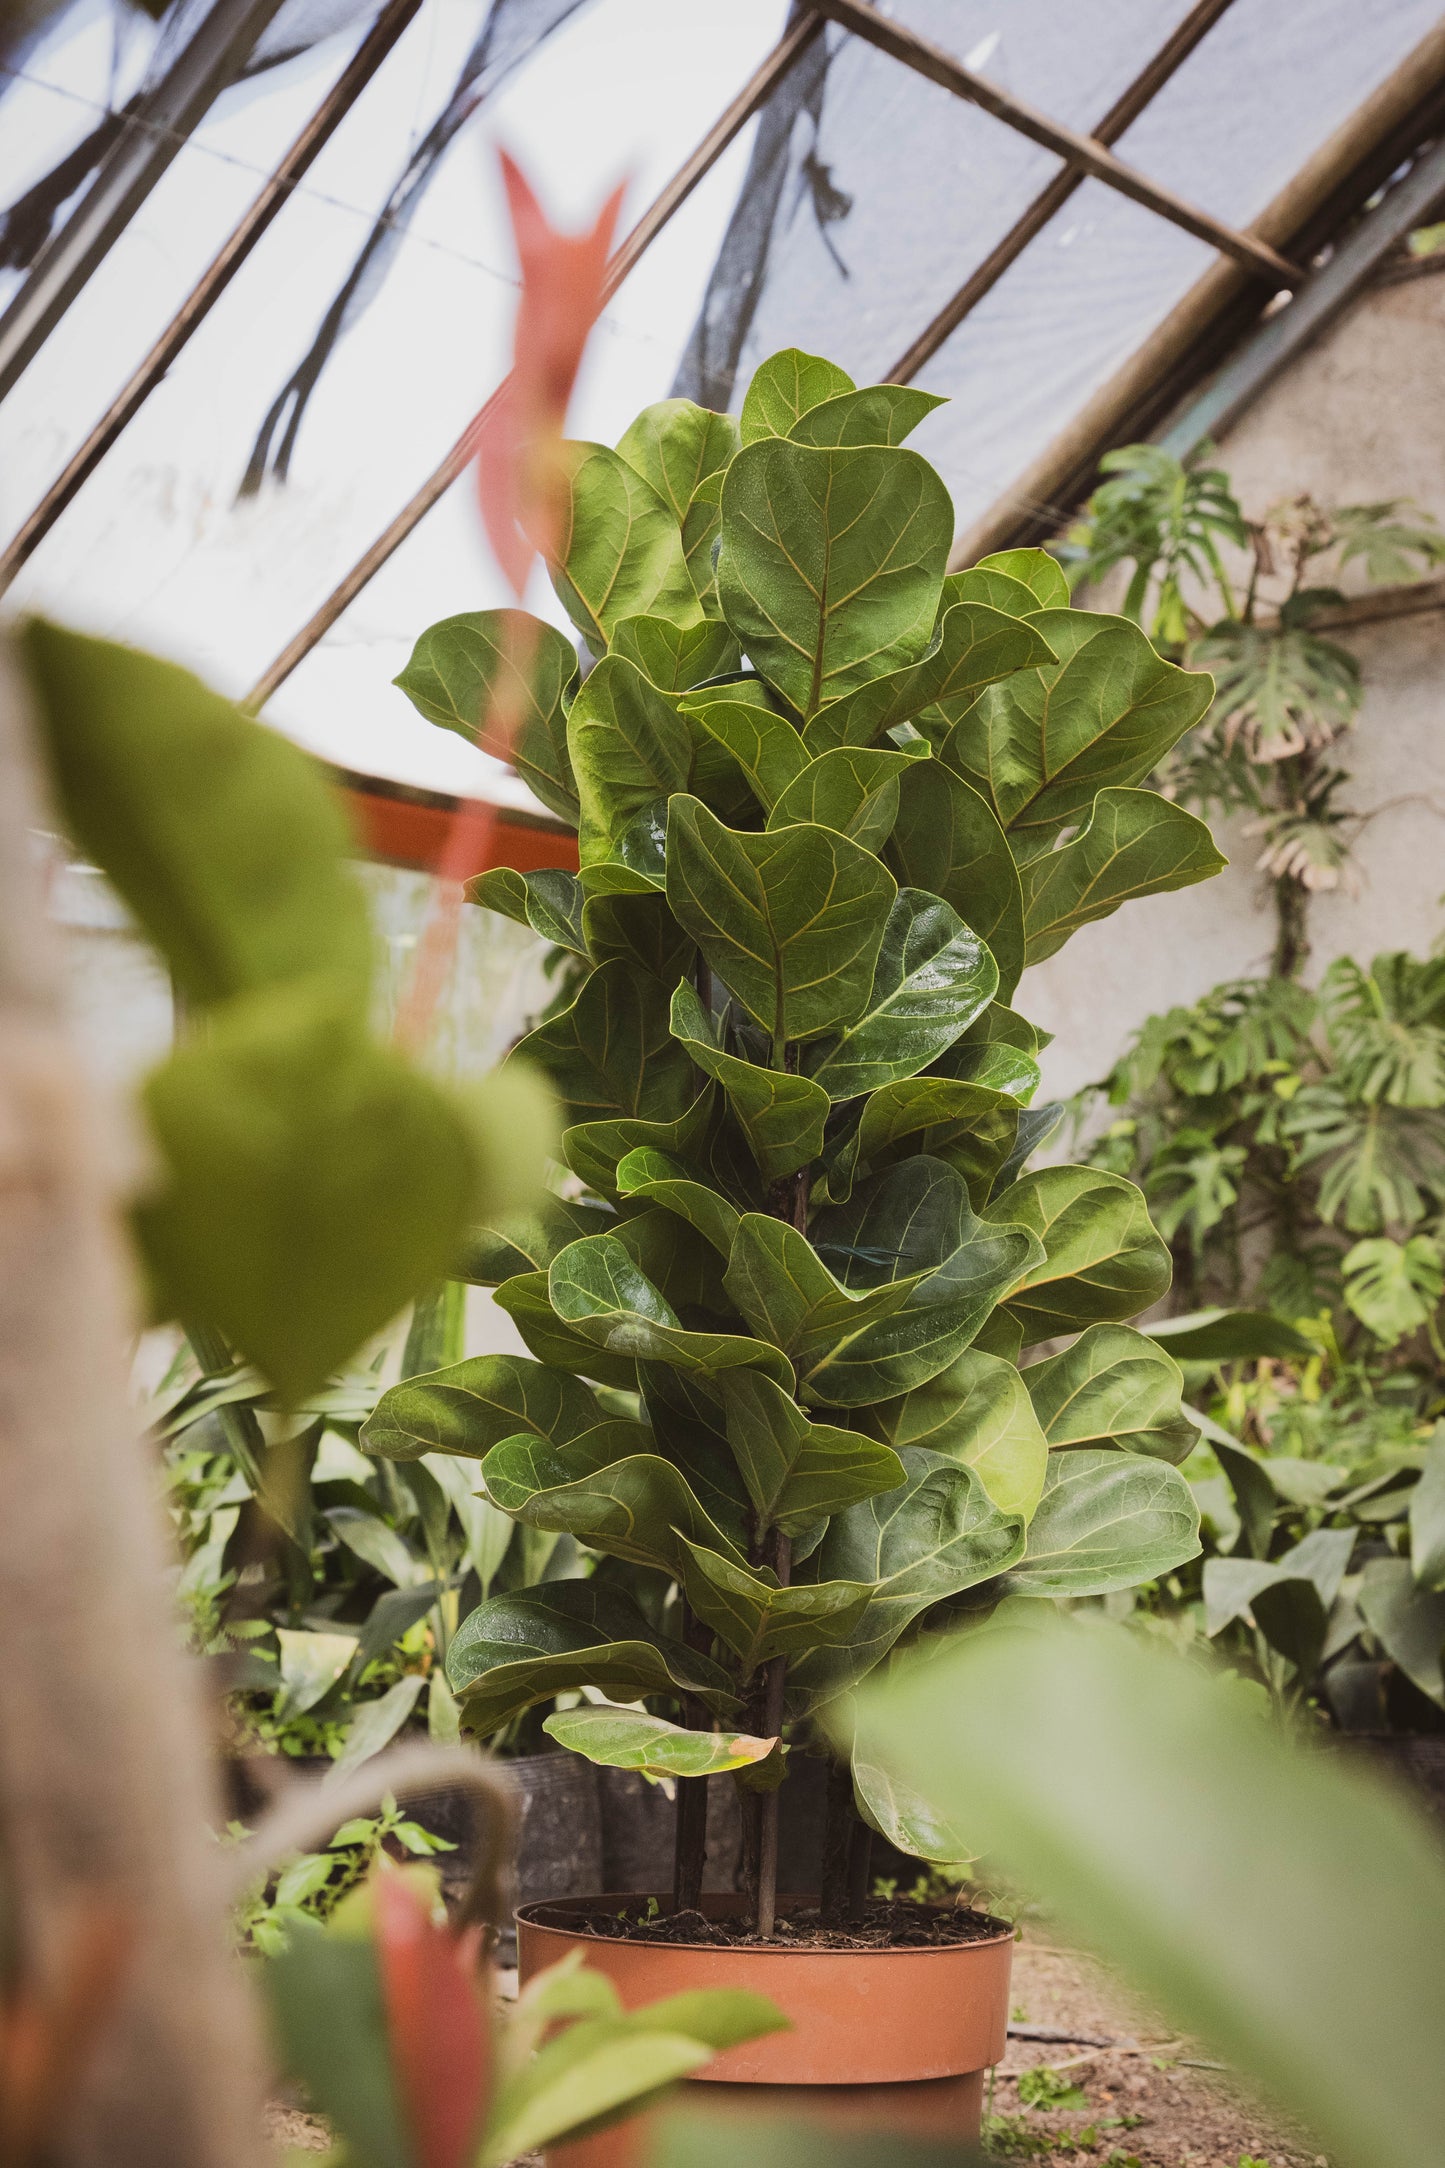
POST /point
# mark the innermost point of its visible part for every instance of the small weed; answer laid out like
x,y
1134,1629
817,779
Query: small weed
x,y
1008,2137
1044,2088
1018,2015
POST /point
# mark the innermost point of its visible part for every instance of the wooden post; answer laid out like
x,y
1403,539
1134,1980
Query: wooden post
x,y
105,1788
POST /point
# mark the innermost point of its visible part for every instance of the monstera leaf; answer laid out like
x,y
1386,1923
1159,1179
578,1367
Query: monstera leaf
x,y
1102,1256
1113,1387
464,667
832,563
620,552
932,978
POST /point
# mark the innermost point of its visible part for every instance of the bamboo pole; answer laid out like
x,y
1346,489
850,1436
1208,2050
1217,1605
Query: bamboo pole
x,y
105,1793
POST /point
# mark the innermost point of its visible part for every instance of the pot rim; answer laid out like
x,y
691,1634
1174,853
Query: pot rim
x,y
535,1916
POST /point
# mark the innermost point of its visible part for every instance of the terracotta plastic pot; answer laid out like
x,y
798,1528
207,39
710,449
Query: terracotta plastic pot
x,y
890,2039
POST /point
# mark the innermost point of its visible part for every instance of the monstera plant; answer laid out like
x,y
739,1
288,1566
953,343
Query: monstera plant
x,y
831,800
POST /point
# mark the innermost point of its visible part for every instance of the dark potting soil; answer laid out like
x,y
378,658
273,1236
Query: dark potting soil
x,y
884,1926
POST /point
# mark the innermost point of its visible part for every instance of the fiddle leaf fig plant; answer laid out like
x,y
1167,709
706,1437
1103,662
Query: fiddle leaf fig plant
x,y
831,799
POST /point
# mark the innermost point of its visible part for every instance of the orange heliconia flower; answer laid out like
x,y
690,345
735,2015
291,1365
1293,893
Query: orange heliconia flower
x,y
519,455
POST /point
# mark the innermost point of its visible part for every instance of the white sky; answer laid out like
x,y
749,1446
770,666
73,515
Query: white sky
x,y
154,550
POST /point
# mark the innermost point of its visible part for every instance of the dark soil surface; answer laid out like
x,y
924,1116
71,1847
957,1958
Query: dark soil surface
x,y
892,1926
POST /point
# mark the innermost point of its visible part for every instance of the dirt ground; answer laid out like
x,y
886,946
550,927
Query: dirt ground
x,y
1151,2099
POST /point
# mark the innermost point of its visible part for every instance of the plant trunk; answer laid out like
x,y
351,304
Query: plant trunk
x,y
689,1858
838,1826
105,1789
1291,940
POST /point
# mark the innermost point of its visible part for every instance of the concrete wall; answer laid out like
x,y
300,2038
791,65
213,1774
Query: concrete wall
x,y
1359,417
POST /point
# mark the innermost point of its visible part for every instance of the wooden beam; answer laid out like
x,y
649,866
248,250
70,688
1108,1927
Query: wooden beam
x,y
1051,200
1086,152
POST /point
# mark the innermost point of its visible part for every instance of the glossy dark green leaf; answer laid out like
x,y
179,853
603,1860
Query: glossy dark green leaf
x,y
1106,1521
853,790
1113,1387
221,838
514,1651
1041,745
875,414
640,931
1408,1622
784,388
689,1429
1202,1855
832,563
790,920
631,1739
526,1303
592,1149
1135,844
759,1620
550,902
596,1289
765,746
969,1126
679,449
669,1250
629,748
976,1412
781,1115
1227,1336
796,1471
460,666
619,552
313,1182
975,646
788,1295
673,657
936,1536
611,1054
639,1507
947,840
635,864
653,1174
932,978
473,1405
1103,1258
1035,1127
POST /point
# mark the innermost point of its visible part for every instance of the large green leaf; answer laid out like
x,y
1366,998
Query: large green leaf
x,y
1106,1521
854,790
1102,1260
312,1182
932,978
791,920
1214,1336
832,563
639,1508
1135,844
1290,1597
514,1651
937,1535
1042,744
631,1739
947,839
757,1618
1113,1387
473,1405
876,414
597,1290
494,1249
689,1428
909,1821
969,1126
676,447
620,552
1040,573
976,1412
673,657
1408,1622
221,838
765,746
593,1149
975,646
460,666
798,1472
1198,1851
526,1303
611,1054
998,589
781,1115
639,931
653,1174
788,1295
629,748
1427,1518
550,902
784,388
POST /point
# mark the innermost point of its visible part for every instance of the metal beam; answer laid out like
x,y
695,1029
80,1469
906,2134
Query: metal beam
x,y
1086,152
379,41
729,123
1120,116
142,152
1314,308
